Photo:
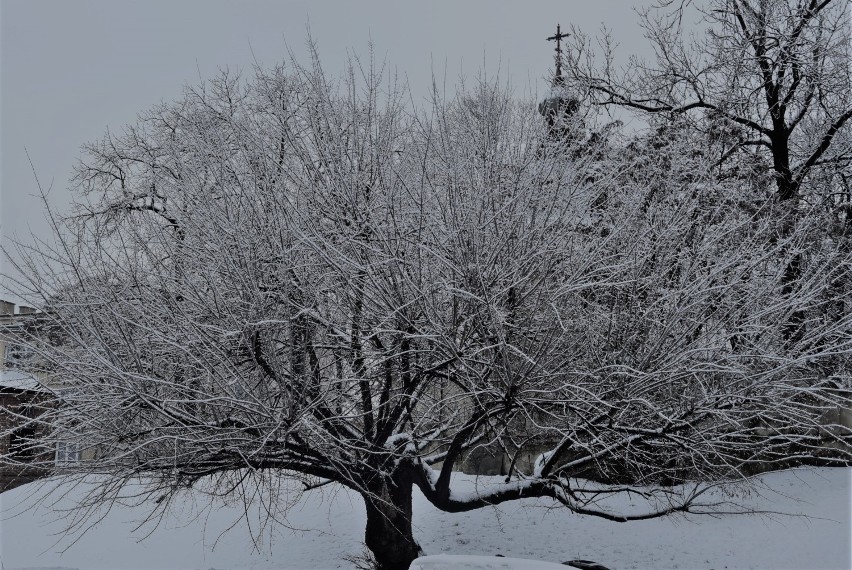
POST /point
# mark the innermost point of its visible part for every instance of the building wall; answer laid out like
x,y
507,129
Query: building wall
x,y
13,404
16,402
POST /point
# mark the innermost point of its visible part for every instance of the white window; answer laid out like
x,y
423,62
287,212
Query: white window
x,y
17,355
67,453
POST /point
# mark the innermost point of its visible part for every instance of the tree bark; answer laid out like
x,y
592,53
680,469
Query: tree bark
x,y
792,330
780,137
389,534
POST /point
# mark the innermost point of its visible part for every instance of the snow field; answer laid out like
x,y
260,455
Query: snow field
x,y
327,526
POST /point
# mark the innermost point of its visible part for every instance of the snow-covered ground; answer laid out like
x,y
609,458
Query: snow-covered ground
x,y
328,525
473,562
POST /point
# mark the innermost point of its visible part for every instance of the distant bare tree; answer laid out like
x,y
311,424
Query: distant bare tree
x,y
776,71
767,75
299,279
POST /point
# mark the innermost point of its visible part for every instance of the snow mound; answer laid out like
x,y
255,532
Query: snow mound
x,y
470,562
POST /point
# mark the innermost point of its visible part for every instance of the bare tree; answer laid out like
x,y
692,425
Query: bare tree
x,y
776,71
772,76
298,279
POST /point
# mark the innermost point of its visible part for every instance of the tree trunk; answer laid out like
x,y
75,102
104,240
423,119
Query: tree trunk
x,y
793,329
389,535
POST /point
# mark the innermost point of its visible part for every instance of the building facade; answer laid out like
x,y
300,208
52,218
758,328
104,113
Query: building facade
x,y
25,451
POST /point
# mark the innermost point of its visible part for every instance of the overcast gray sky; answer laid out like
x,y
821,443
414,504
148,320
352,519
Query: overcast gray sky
x,y
71,69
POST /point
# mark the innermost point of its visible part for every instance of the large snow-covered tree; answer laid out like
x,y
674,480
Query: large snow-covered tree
x,y
294,278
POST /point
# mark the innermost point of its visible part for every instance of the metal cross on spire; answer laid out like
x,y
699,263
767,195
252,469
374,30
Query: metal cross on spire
x,y
558,79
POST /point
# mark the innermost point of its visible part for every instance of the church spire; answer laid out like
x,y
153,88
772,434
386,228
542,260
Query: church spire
x,y
558,79
561,106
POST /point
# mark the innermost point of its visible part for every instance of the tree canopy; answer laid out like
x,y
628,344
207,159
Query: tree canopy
x,y
298,278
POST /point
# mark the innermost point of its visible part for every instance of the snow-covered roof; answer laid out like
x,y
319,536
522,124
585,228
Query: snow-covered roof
x,y
18,380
